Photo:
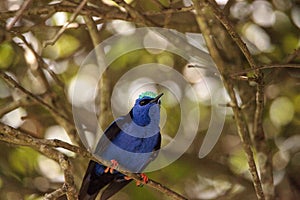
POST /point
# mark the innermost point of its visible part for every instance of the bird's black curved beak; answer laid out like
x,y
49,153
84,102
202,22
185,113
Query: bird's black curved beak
x,y
156,99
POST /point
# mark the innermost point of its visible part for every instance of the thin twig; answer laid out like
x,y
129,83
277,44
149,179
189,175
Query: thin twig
x,y
14,105
230,29
42,64
10,81
18,14
158,4
57,115
292,56
55,194
263,150
105,13
170,11
65,26
136,15
49,96
36,71
296,66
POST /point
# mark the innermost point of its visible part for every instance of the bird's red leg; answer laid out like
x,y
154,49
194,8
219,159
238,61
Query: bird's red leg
x,y
114,165
144,180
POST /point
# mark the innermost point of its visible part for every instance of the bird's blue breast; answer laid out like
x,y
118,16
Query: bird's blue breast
x,y
131,152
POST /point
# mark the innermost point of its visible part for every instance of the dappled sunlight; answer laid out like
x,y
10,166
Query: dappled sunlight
x,y
14,118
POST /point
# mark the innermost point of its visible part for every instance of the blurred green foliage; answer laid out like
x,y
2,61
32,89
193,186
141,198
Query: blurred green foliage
x,y
7,55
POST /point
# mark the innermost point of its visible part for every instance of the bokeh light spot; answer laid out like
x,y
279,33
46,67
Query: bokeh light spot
x,y
281,111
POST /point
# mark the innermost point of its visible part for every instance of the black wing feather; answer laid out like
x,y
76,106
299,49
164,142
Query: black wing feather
x,y
111,132
93,183
154,152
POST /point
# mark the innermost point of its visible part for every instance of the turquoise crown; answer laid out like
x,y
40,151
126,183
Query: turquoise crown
x,y
147,94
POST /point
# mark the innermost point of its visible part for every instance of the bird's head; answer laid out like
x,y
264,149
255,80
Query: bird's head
x,y
146,109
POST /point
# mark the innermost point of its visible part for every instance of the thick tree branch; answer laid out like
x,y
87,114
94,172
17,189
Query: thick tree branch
x,y
46,147
13,136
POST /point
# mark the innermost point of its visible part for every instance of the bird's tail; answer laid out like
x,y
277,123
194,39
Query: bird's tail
x,y
93,183
113,188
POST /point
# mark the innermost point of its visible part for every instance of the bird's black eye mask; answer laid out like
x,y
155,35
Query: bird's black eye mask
x,y
144,102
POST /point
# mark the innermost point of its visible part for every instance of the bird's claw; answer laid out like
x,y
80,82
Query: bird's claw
x,y
144,177
113,166
144,180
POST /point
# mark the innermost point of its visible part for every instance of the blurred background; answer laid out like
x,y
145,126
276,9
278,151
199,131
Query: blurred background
x,y
271,30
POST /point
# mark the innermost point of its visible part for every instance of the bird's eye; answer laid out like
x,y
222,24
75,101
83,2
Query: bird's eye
x,y
143,102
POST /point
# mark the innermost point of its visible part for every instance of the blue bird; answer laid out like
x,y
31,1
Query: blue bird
x,y
131,141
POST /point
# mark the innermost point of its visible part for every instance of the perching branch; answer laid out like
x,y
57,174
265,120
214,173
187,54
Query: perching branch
x,y
47,147
14,136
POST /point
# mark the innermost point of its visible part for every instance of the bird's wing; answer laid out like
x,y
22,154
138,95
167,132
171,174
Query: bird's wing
x,y
154,153
111,132
92,182
156,148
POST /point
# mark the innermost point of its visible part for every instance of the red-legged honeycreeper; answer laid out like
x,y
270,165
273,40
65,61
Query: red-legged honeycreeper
x,y
131,141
